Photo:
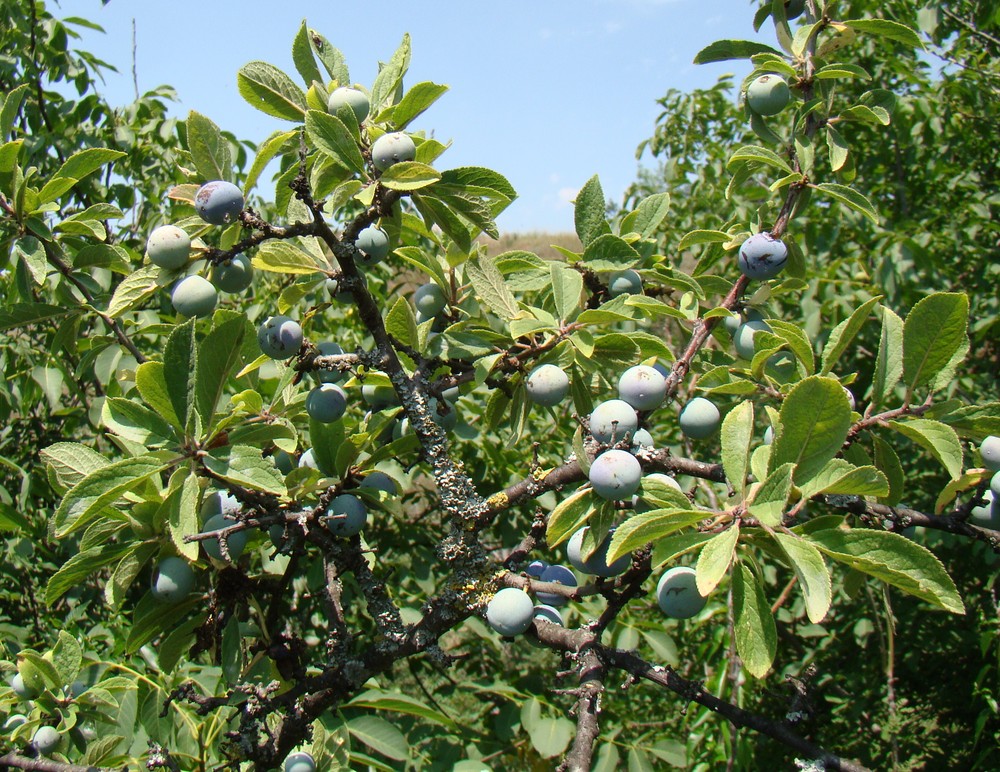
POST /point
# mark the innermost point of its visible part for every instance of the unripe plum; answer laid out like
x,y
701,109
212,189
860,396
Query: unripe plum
x,y
233,275
21,689
280,337
326,349
743,339
794,8
219,503
990,451
14,720
677,593
353,98
597,564
236,541
548,613
627,282
547,385
641,438
643,387
46,739
510,611
391,149
615,475
987,514
559,575
218,202
700,419
379,395
194,296
168,247
326,403
429,299
536,568
342,295
762,256
300,762
995,484
173,580
374,245
380,481
768,94
781,366
612,420
346,515
769,435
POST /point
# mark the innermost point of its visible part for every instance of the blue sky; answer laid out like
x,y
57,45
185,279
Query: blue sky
x,y
547,93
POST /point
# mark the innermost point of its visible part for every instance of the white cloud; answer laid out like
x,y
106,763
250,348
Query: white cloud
x,y
566,196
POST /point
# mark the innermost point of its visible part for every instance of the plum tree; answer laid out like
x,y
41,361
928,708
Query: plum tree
x,y
218,202
510,611
989,450
699,419
233,275
627,282
354,98
168,247
300,761
677,593
392,148
46,739
172,580
429,299
547,385
326,403
279,337
374,245
643,387
596,563
557,575
346,515
194,296
236,541
762,256
768,94
615,475
612,419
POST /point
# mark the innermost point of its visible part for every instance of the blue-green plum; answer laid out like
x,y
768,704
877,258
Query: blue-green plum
x,y
172,581
769,435
794,8
391,149
700,419
995,484
768,94
300,762
218,202
536,568
379,396
781,366
597,564
547,385
612,420
280,337
677,593
233,275
510,611
627,282
429,299
236,541
643,387
615,475
346,515
373,242
284,461
641,438
443,413
308,460
987,514
13,721
380,481
194,296
743,339
335,292
354,98
168,247
326,403
23,690
762,256
548,613
990,452
46,739
326,349
219,503
558,575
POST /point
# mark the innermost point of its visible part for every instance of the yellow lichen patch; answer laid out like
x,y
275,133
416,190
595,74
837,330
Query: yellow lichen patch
x,y
498,501
539,474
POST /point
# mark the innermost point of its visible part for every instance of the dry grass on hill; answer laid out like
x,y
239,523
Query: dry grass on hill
x,y
539,243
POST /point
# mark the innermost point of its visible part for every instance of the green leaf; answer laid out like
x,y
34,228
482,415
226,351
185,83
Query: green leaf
x,y
265,152
18,315
842,477
837,148
843,334
649,528
589,212
893,559
71,462
759,155
811,571
284,257
567,287
409,175
723,50
754,630
133,290
647,216
850,197
180,366
715,559
245,465
302,56
550,736
887,462
815,418
271,91
389,81
884,28
209,149
135,422
218,355
397,702
694,238
770,497
183,512
607,252
126,571
490,287
415,101
151,382
86,162
737,444
67,657
938,438
11,107
569,516
152,618
889,362
331,58
379,735
934,331
332,138
401,323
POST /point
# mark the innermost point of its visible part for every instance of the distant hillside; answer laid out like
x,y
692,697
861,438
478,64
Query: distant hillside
x,y
539,243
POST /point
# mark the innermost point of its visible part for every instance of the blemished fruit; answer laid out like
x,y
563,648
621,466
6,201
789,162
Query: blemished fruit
x,y
326,403
990,451
46,739
346,515
380,481
510,611
233,275
391,149
700,419
194,296
768,94
548,613
353,98
536,568
743,339
172,581
547,385
612,420
168,247
236,541
987,514
374,245
762,256
597,564
677,593
21,689
429,299
326,349
218,202
627,282
615,475
300,762
643,387
280,337
559,575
